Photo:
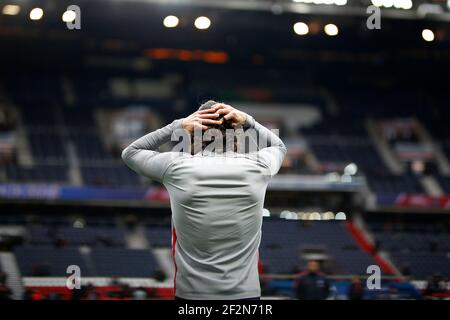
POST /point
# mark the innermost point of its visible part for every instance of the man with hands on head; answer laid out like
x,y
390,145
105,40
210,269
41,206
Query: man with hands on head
x,y
216,200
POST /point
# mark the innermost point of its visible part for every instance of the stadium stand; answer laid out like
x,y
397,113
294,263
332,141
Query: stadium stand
x,y
48,261
66,197
284,244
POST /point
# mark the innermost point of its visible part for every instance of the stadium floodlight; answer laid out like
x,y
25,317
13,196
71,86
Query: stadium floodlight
x,y
283,214
202,23
408,5
291,216
301,28
388,3
340,2
327,215
427,35
315,216
171,21
304,216
403,4
69,16
351,169
11,10
398,4
333,177
331,29
340,216
327,2
79,223
36,14
377,3
346,178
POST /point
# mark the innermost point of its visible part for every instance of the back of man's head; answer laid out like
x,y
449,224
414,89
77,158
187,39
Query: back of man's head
x,y
207,105
226,125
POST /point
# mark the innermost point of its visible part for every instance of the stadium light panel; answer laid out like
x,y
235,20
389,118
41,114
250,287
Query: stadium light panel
x,y
301,28
331,30
388,3
397,4
283,214
377,3
11,10
69,16
315,216
407,4
327,2
403,4
202,23
427,35
340,2
351,169
36,14
327,215
340,216
171,21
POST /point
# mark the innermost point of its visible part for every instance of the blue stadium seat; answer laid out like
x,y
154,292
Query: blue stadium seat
x,y
284,241
48,261
159,236
119,262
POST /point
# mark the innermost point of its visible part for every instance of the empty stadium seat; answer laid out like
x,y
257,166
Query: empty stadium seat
x,y
283,243
119,262
159,236
48,261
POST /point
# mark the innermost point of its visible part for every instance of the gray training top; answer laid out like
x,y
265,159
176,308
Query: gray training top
x,y
217,202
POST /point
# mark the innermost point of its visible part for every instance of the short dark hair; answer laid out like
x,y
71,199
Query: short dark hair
x,y
208,104
221,127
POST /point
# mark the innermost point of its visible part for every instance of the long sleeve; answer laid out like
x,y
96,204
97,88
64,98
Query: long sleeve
x,y
273,154
142,155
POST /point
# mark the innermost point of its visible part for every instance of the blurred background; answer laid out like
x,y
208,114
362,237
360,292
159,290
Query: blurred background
x,y
364,113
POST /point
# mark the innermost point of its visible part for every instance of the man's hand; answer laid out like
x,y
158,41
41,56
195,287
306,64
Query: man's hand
x,y
201,120
236,117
